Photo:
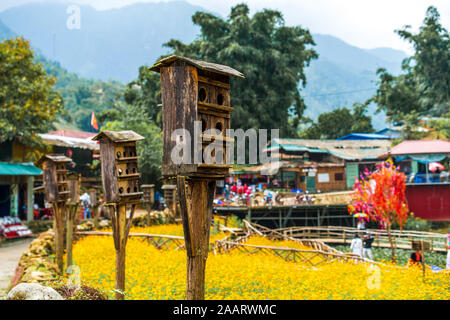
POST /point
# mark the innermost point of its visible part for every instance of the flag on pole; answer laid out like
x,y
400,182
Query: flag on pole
x,y
94,121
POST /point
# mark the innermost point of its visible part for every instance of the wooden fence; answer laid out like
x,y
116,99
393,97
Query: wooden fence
x,y
159,241
344,235
318,254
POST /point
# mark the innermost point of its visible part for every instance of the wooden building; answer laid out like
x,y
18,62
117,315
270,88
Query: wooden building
x,y
17,177
313,165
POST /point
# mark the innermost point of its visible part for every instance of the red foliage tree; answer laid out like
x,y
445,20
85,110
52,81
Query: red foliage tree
x,y
381,196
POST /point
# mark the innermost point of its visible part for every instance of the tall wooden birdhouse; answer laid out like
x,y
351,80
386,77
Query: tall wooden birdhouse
x,y
194,90
56,187
119,161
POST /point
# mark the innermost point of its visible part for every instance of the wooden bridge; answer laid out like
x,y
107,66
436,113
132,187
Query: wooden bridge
x,y
344,235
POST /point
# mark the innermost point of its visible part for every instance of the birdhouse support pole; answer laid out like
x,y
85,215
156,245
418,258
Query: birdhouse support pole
x,y
121,228
196,199
70,222
59,209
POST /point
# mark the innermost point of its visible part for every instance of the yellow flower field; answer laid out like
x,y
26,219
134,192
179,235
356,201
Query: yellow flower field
x,y
161,274
263,241
169,229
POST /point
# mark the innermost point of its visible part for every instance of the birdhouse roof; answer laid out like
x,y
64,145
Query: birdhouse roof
x,y
54,158
203,65
119,136
169,187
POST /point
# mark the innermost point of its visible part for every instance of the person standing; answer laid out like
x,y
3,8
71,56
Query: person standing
x,y
356,246
416,258
367,246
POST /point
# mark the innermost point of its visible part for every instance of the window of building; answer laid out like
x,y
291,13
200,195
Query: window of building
x,y
338,177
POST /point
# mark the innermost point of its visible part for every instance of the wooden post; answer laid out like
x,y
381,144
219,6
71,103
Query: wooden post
x,y
58,210
121,229
120,179
196,216
56,193
72,206
70,223
195,97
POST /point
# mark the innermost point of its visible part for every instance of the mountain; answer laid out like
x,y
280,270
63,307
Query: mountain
x,y
109,44
113,44
5,32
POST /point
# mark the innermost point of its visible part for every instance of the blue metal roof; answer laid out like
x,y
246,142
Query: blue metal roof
x,y
295,148
394,134
364,136
19,169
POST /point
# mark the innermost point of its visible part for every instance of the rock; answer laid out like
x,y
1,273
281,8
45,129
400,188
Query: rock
x,y
104,223
86,226
33,291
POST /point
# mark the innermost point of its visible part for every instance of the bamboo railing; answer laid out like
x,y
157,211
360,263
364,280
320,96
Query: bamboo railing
x,y
159,241
344,235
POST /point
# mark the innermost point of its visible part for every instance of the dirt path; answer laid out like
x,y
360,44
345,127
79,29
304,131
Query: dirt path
x,y
9,257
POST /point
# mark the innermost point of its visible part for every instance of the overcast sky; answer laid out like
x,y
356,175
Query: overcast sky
x,y
363,23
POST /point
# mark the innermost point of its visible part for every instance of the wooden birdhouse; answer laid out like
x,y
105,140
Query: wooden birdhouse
x,y
119,161
149,193
56,186
194,90
170,196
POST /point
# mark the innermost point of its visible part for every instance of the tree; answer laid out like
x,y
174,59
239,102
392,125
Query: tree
x,y
145,92
424,87
127,117
338,123
28,103
272,57
381,196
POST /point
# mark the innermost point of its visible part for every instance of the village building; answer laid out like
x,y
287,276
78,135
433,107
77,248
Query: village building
x,y
20,179
428,181
17,177
314,165
78,146
81,149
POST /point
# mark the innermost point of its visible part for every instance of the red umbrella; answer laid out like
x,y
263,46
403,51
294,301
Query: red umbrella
x,y
435,166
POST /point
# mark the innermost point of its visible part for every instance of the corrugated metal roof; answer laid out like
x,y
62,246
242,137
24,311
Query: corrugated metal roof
x,y
203,65
344,149
272,168
294,148
364,136
69,142
421,147
73,134
19,169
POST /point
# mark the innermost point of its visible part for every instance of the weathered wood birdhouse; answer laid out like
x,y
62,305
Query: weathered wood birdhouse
x,y
56,186
149,193
194,90
119,161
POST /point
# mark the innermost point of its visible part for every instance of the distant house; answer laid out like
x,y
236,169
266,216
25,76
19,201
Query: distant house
x,y
17,177
76,145
325,165
428,188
